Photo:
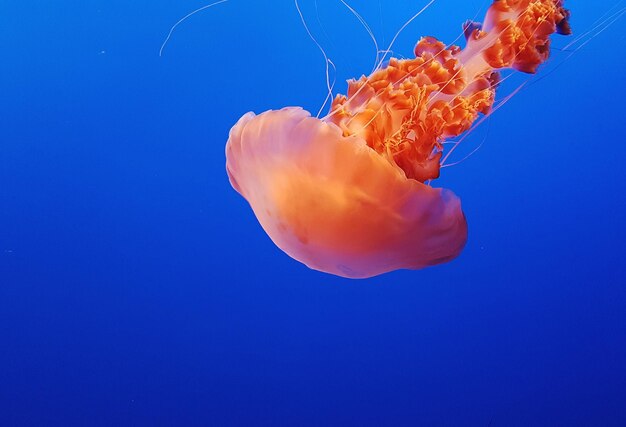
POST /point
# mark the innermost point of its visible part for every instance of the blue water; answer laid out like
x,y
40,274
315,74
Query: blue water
x,y
137,288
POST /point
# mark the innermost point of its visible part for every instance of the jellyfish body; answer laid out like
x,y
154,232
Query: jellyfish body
x,y
333,203
346,194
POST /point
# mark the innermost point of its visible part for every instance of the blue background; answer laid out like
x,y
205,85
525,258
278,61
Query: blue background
x,y
137,288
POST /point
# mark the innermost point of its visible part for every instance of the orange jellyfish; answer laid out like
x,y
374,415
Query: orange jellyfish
x,y
346,194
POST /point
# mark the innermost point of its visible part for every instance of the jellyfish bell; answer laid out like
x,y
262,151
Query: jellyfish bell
x,y
347,194
333,203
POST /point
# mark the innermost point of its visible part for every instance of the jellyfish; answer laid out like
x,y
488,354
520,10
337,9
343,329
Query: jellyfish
x,y
351,193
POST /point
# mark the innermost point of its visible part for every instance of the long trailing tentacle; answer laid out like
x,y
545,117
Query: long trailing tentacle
x,y
328,63
367,28
183,19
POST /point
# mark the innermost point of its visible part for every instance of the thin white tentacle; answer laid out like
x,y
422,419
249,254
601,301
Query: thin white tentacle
x,y
183,19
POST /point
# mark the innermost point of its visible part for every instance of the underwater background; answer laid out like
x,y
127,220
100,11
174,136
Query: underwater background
x,y
138,289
